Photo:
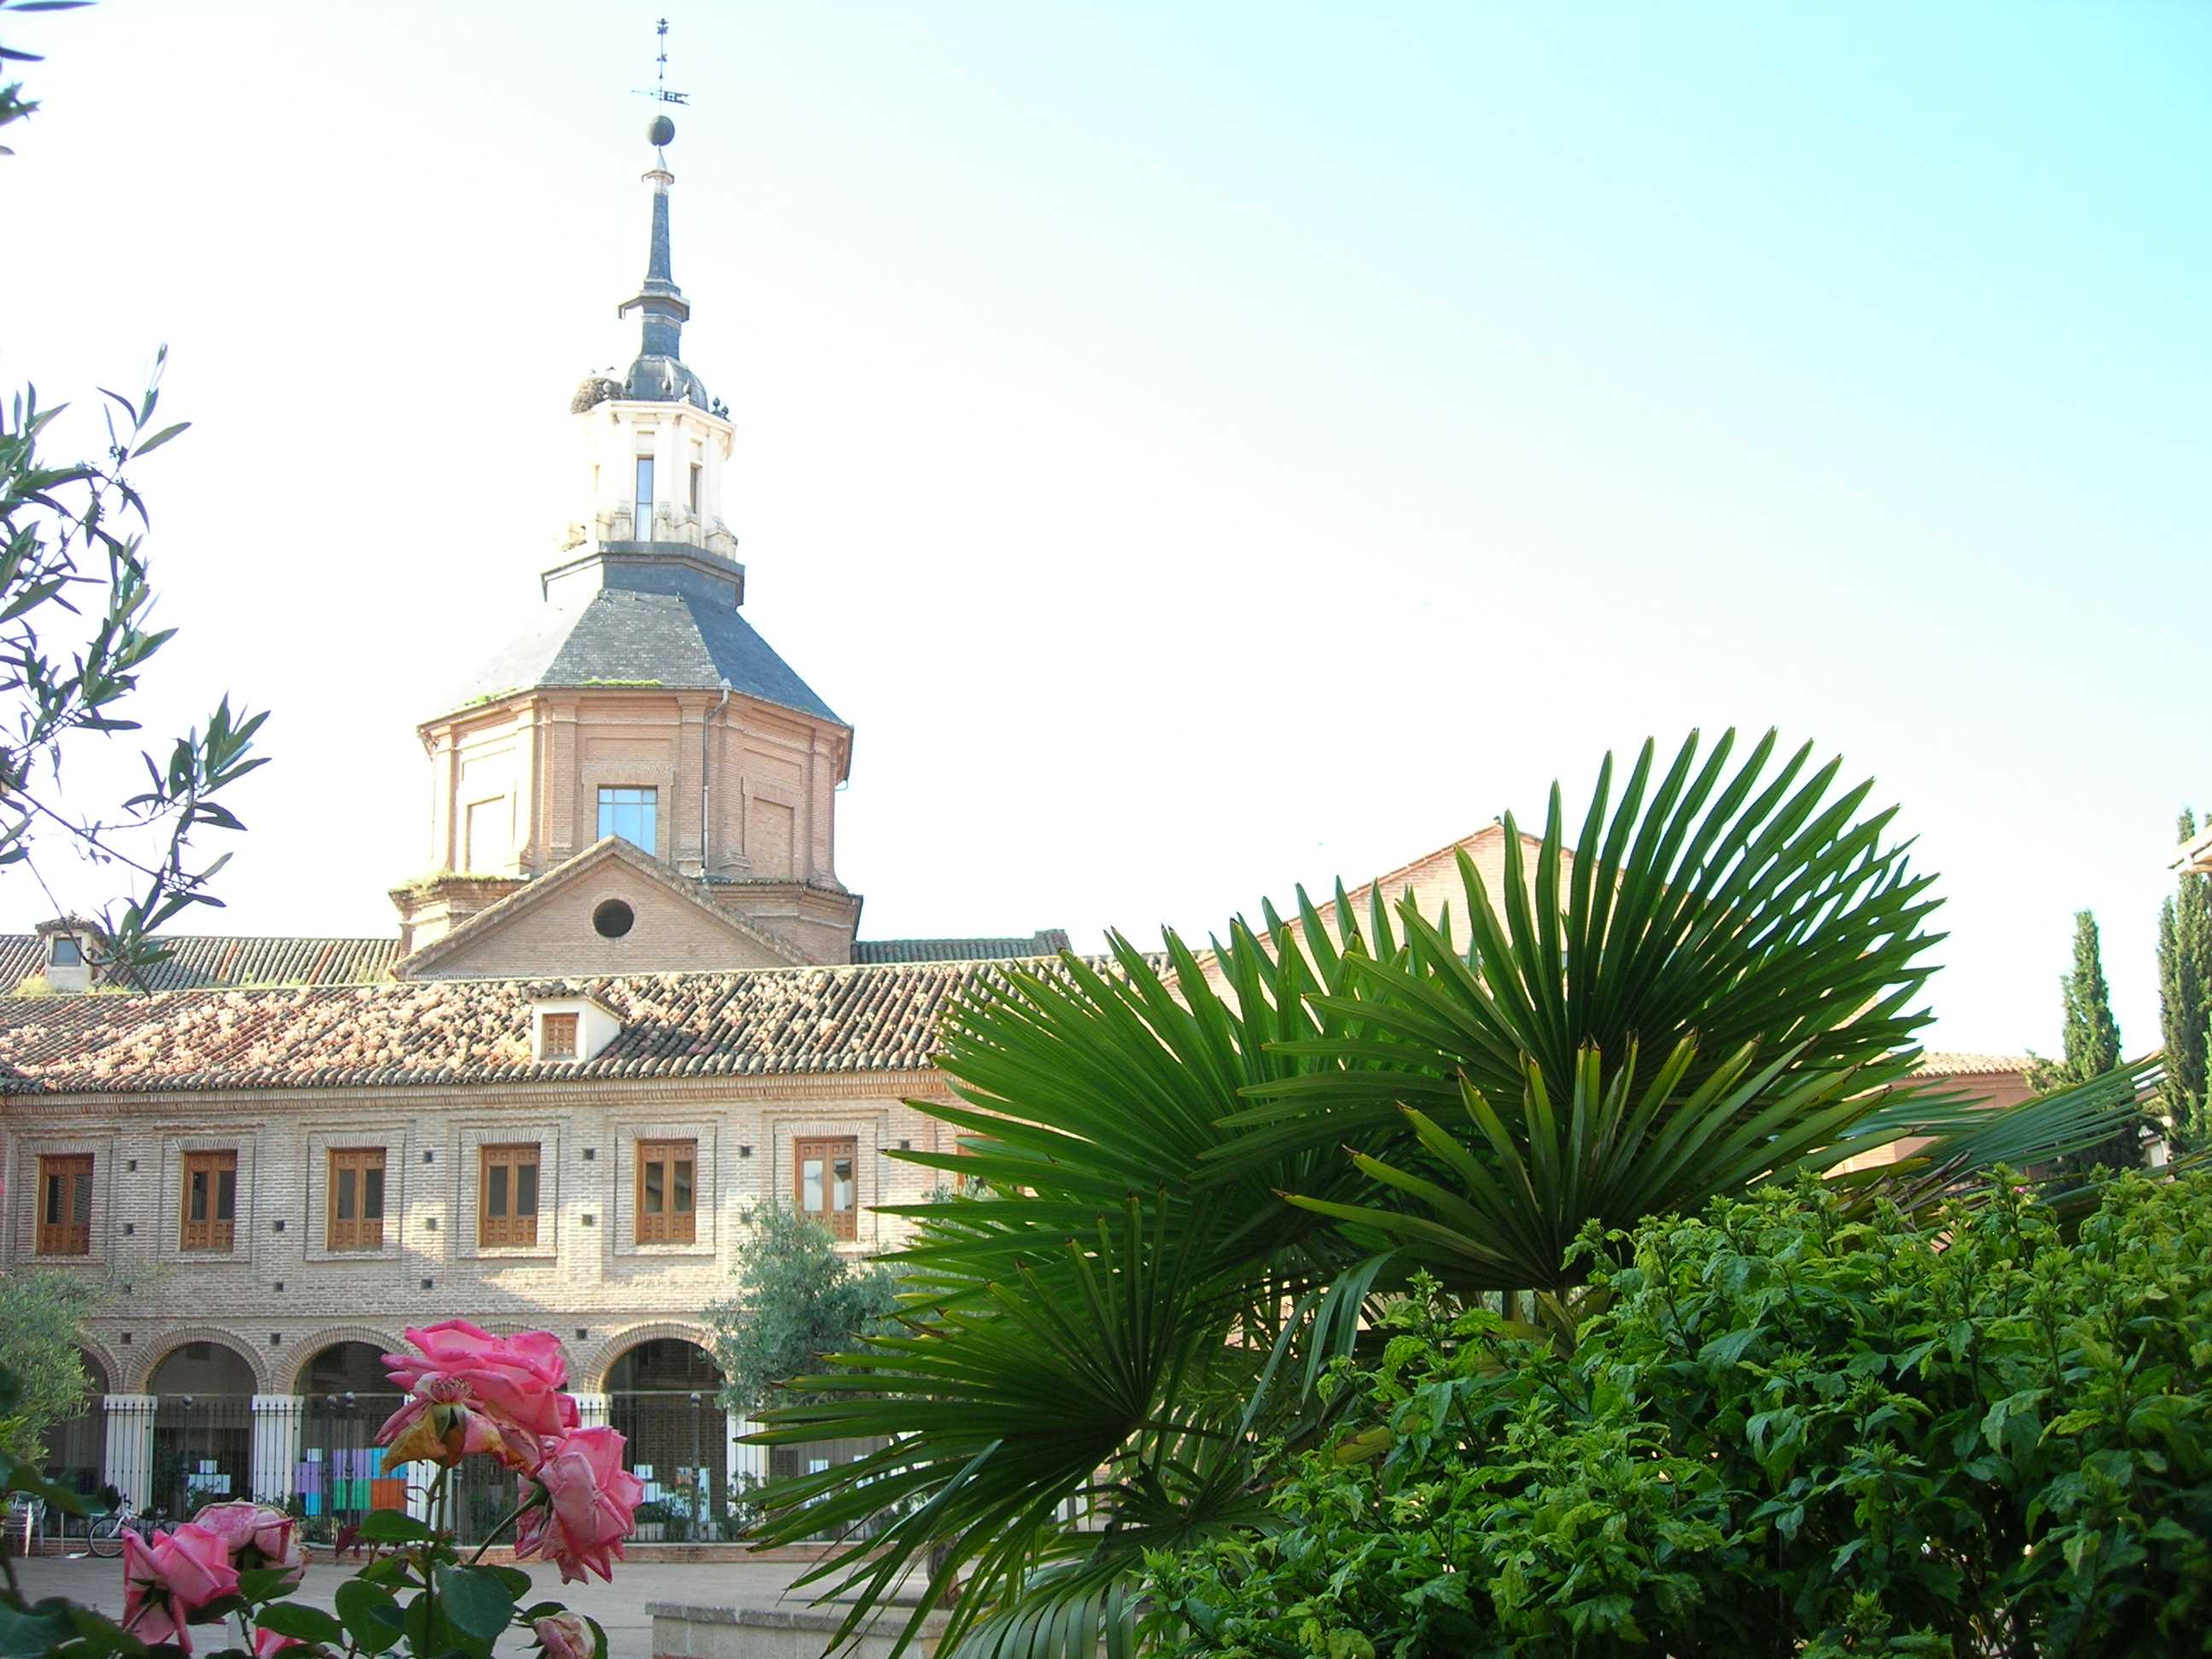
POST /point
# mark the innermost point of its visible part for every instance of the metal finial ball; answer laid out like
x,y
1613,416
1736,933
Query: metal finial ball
x,y
662,132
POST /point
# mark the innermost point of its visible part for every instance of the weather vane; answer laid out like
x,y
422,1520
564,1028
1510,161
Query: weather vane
x,y
658,89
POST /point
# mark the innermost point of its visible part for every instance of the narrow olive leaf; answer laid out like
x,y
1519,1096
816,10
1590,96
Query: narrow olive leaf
x,y
160,438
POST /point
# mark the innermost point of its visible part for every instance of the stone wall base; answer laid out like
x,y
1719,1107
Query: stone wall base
x,y
683,1631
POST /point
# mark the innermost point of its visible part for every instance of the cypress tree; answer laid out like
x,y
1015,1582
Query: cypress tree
x,y
2092,1042
2184,1001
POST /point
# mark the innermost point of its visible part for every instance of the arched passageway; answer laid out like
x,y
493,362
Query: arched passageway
x,y
344,1398
202,1426
76,1447
663,1396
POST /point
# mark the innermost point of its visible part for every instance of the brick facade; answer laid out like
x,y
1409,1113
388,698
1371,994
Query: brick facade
x,y
280,1296
587,1269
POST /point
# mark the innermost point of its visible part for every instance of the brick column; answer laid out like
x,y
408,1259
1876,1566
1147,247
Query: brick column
x,y
276,1446
128,1464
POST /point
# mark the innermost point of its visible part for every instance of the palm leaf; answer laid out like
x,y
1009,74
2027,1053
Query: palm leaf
x,y
1733,906
1118,1307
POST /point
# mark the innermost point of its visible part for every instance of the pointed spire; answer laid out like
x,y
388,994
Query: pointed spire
x,y
661,303
659,373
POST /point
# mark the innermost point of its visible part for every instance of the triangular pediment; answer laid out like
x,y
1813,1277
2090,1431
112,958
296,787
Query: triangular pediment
x,y
612,908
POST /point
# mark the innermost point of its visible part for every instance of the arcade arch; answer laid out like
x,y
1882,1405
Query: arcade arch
x,y
202,1450
664,1397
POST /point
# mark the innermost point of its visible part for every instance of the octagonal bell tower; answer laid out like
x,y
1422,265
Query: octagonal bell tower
x,y
640,717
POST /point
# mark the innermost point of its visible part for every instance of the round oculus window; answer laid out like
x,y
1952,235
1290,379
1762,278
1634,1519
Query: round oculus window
x,y
613,919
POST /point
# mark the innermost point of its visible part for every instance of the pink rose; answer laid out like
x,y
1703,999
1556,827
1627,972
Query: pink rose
x,y
565,1636
585,1500
269,1642
257,1536
471,1391
166,1584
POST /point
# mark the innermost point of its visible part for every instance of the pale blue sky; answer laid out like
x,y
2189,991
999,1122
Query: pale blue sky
x,y
1201,448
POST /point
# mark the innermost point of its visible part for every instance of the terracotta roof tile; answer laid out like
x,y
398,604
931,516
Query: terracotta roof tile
x,y
1961,1065
768,1021
877,1017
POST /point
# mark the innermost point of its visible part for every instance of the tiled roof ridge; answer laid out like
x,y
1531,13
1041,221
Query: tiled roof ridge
x,y
244,938
816,1020
586,982
962,947
1967,1060
253,939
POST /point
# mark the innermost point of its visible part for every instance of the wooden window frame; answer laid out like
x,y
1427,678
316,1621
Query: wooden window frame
x,y
510,1230
70,1234
670,1224
212,1230
569,1026
844,1225
360,1231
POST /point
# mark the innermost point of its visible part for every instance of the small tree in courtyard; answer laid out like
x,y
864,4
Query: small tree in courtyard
x,y
39,1314
797,1301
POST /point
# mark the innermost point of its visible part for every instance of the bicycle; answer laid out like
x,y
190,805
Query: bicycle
x,y
105,1537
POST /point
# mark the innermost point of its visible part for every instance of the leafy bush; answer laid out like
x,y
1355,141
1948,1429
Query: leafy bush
x,y
797,1299
1796,1428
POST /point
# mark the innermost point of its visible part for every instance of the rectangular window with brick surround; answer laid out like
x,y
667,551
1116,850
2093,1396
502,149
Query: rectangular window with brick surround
x,y
356,1197
209,1202
667,1190
506,1196
632,812
823,1184
66,1205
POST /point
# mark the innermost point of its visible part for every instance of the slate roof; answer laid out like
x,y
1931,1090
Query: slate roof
x,y
1045,942
465,1031
685,641
215,959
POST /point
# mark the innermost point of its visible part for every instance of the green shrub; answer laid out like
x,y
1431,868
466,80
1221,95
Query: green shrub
x,y
1792,1431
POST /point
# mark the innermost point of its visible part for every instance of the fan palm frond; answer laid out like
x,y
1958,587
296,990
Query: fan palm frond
x,y
1733,906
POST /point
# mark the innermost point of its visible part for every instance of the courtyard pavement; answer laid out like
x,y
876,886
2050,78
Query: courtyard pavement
x,y
620,1606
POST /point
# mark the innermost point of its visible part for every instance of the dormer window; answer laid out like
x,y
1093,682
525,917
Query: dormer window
x,y
70,943
568,1028
644,530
